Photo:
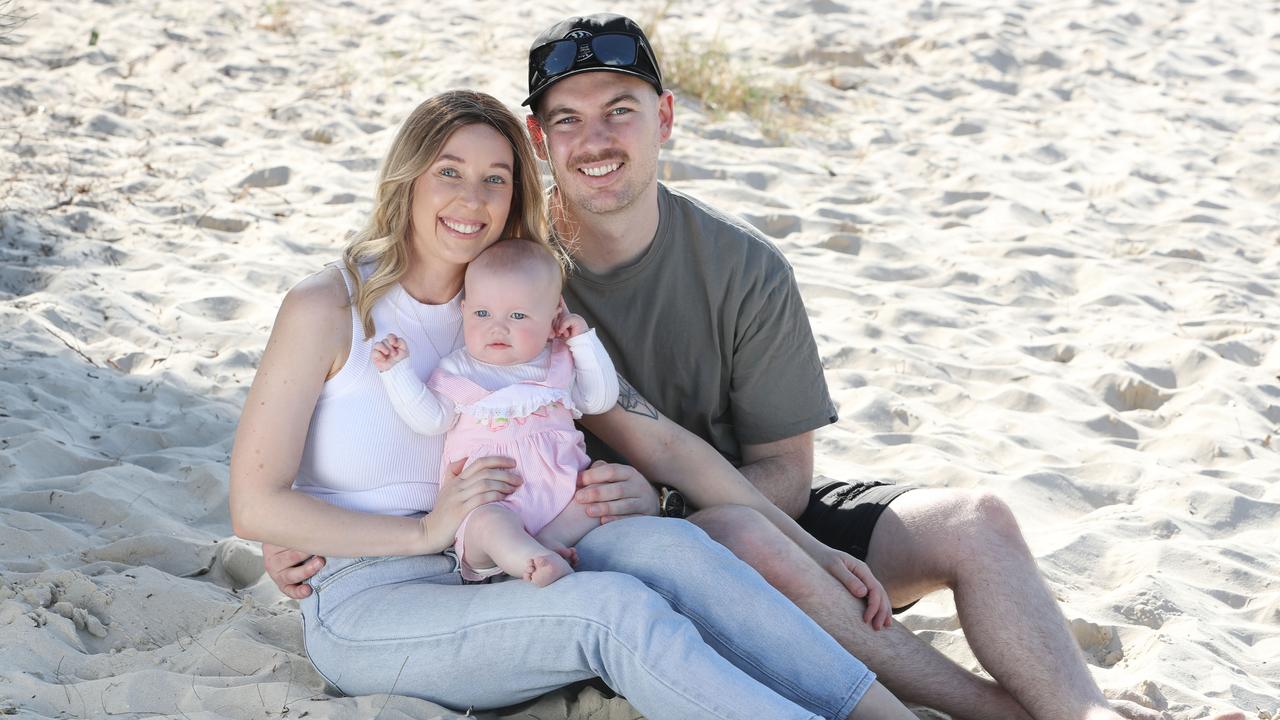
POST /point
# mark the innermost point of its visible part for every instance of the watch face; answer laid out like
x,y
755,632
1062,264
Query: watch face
x,y
673,504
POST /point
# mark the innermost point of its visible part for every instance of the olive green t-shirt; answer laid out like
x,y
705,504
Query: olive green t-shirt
x,y
708,325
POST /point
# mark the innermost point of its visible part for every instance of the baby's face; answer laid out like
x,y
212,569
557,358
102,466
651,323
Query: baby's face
x,y
507,316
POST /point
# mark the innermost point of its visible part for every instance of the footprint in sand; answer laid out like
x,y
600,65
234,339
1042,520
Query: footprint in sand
x,y
1101,644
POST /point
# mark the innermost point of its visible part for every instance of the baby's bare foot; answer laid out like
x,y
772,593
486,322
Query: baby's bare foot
x,y
569,554
546,569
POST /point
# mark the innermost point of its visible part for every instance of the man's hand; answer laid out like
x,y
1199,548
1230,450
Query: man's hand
x,y
857,578
290,569
612,492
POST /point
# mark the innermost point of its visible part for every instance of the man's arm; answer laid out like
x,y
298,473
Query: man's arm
x,y
782,471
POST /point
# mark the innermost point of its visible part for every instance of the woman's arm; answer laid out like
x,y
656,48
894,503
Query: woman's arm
x,y
308,344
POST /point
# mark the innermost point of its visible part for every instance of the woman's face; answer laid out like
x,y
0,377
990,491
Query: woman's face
x,y
461,203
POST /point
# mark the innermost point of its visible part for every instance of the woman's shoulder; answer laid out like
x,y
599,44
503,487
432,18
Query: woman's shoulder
x,y
321,293
319,300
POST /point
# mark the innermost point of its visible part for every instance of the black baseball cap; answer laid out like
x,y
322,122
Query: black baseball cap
x,y
593,42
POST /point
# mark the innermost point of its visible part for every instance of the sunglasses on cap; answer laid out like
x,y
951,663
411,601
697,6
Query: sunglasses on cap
x,y
609,50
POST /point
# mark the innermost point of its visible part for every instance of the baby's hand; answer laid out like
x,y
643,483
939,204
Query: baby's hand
x,y
569,325
389,351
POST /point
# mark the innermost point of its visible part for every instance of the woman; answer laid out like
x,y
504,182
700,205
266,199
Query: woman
x,y
322,462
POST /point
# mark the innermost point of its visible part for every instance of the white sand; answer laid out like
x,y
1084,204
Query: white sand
x,y
1040,246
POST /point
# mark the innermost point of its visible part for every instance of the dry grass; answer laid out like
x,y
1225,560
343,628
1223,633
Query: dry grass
x,y
708,72
275,17
11,18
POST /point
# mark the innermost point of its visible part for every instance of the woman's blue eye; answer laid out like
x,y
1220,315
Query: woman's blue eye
x,y
449,172
518,316
496,179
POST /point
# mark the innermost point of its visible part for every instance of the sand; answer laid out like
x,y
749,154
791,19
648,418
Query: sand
x,y
1039,244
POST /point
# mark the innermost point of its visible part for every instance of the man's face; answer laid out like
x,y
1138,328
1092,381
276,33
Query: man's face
x,y
601,132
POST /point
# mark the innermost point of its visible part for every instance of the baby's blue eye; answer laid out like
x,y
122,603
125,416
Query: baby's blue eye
x,y
518,316
482,313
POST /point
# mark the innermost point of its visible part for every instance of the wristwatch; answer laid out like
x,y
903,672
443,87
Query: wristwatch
x,y
671,503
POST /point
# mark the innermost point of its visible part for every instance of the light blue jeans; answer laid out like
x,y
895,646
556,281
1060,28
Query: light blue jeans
x,y
667,617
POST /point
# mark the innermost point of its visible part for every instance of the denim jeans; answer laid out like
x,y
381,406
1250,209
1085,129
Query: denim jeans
x,y
668,618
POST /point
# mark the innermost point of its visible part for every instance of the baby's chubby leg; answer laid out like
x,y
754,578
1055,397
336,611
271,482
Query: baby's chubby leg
x,y
563,532
495,535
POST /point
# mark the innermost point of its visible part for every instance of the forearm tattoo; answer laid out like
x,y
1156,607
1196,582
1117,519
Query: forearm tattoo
x,y
629,399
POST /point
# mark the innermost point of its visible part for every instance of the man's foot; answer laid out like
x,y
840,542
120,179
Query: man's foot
x,y
546,569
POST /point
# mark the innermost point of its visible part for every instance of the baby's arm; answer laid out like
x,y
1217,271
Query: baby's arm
x,y
421,408
595,387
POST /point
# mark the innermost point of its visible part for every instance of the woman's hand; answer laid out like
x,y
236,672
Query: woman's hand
x,y
290,569
486,480
858,580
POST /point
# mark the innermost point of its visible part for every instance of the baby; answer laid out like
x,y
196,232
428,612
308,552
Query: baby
x,y
528,369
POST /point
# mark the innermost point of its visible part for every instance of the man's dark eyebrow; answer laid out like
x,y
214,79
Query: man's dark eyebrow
x,y
622,97
566,110
455,158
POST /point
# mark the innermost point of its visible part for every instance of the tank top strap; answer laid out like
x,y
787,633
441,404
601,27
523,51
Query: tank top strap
x,y
455,387
358,352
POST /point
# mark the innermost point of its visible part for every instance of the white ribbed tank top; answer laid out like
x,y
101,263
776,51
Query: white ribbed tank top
x,y
359,454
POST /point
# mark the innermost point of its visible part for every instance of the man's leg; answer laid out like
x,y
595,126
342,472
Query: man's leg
x,y
969,541
910,668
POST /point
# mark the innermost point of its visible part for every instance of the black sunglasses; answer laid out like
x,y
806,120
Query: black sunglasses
x,y
610,49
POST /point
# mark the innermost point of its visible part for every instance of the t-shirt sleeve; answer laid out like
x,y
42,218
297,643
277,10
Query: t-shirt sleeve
x,y
777,388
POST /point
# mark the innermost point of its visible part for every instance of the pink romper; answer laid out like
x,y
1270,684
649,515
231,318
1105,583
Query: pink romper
x,y
530,422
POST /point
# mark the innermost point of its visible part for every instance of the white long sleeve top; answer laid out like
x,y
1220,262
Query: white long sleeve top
x,y
594,390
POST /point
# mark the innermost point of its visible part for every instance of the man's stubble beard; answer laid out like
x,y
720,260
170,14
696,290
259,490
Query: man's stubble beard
x,y
581,200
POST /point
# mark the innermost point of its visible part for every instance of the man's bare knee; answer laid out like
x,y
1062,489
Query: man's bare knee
x,y
992,518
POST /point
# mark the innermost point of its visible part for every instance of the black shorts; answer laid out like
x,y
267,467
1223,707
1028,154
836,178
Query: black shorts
x,y
842,515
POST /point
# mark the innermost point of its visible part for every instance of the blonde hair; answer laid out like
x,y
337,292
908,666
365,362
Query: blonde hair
x,y
384,239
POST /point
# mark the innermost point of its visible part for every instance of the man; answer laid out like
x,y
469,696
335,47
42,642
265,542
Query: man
x,y
702,315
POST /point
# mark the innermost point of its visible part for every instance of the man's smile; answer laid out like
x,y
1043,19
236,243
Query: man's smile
x,y
600,170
